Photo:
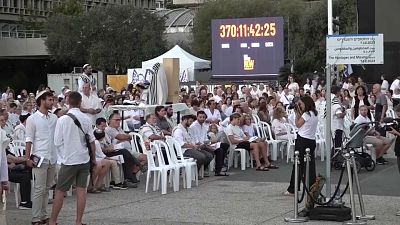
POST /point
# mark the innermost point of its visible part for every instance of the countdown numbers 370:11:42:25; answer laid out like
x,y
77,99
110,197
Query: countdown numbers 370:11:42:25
x,y
247,30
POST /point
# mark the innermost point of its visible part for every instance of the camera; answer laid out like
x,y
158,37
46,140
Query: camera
x,y
390,123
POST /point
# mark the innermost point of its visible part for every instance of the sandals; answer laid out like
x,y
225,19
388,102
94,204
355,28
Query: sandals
x,y
93,191
271,166
262,168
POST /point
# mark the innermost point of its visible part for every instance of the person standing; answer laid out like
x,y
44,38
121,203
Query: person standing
x,y
4,141
91,104
338,114
75,157
306,121
39,142
87,78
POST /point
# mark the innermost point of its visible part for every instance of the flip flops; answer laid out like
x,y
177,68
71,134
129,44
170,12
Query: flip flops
x,y
262,168
271,166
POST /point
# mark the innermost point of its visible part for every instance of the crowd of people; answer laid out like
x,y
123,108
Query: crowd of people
x,y
57,131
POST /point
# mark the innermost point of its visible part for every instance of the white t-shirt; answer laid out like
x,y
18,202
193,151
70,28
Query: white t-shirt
x,y
309,128
278,126
286,99
249,130
361,119
395,85
235,131
337,123
293,87
384,86
91,102
215,116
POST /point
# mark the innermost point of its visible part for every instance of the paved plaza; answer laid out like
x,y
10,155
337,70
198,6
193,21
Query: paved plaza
x,y
245,197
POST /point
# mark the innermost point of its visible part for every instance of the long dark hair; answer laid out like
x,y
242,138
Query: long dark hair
x,y
309,105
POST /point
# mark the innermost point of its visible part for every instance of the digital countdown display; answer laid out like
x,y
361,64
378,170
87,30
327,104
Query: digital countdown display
x,y
247,47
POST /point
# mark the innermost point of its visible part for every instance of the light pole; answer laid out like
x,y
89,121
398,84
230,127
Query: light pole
x,y
328,134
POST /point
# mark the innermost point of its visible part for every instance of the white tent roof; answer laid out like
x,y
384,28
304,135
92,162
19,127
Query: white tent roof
x,y
186,60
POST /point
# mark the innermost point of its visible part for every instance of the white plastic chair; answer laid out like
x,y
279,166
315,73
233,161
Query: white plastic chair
x,y
233,158
160,171
390,113
256,118
276,144
174,177
290,143
137,142
190,172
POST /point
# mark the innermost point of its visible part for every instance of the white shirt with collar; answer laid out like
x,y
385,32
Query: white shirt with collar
x,y
147,130
199,131
182,136
113,133
214,116
70,140
40,132
91,102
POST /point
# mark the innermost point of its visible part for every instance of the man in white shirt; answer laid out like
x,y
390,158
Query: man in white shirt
x,y
118,136
381,144
198,131
87,78
254,91
384,85
286,98
150,131
40,129
338,113
74,157
189,146
91,104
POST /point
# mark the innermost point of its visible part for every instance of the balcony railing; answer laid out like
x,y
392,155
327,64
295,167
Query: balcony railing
x,y
22,34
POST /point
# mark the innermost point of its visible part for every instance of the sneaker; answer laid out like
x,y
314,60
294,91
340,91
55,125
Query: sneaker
x,y
112,183
380,161
129,184
287,193
26,205
134,179
120,186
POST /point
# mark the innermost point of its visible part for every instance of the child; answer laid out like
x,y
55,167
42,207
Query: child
x,y
104,164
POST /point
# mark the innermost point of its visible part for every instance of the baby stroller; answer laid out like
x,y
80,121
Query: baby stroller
x,y
355,142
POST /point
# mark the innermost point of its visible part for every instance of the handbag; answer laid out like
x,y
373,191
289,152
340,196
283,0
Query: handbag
x,y
87,138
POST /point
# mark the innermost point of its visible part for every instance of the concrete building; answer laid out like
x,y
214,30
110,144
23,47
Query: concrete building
x,y
13,10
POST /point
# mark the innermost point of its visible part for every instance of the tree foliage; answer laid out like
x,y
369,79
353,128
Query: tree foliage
x,y
113,38
305,26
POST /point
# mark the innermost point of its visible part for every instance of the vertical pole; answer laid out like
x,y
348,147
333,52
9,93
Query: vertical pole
x,y
359,192
296,218
307,177
328,135
351,192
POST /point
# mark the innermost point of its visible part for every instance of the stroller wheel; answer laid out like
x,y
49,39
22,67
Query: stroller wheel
x,y
370,165
337,165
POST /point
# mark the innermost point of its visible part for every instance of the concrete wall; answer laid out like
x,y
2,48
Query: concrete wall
x,y
22,47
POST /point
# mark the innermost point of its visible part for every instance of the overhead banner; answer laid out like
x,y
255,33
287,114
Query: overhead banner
x,y
354,49
140,74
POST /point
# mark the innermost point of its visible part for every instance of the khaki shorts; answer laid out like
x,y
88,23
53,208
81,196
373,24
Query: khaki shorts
x,y
70,174
376,140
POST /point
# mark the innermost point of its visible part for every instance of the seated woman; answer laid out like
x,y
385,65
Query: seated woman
x,y
263,112
278,125
237,137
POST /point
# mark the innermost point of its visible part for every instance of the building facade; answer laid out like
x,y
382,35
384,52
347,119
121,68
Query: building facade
x,y
13,10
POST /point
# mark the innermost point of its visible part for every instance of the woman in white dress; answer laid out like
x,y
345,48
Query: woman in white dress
x,y
278,125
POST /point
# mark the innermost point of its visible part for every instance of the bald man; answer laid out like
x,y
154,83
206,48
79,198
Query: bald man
x,y
380,103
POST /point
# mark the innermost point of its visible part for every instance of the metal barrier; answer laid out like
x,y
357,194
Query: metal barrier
x,y
296,218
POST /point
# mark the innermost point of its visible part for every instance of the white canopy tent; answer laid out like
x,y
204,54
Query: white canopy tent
x,y
188,63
